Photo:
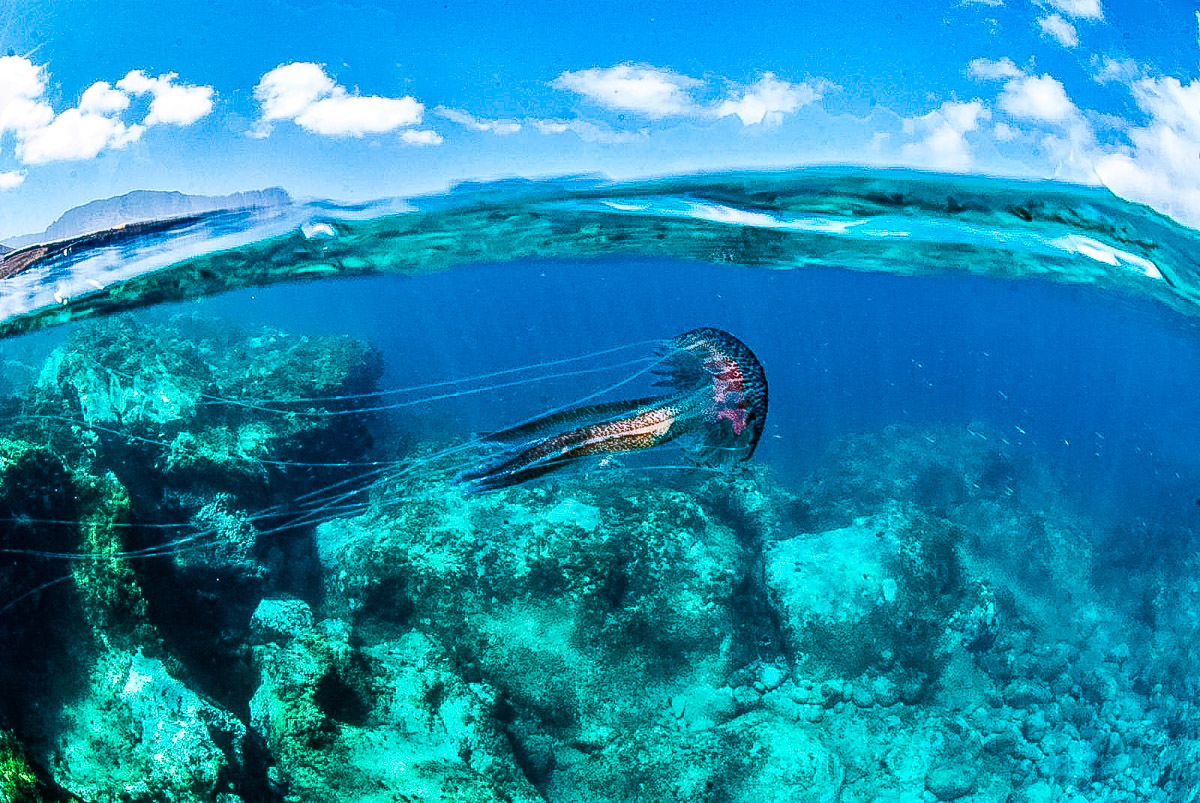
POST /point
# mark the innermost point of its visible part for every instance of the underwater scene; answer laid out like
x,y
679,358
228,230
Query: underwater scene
x,y
829,484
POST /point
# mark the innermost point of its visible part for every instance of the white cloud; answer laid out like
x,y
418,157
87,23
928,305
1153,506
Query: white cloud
x,y
1054,128
421,137
586,130
656,92
171,104
1003,132
1106,70
1060,30
943,145
286,91
20,78
1039,98
1156,163
1026,97
100,98
1082,9
468,120
42,136
10,179
652,91
21,86
343,115
75,135
768,100
95,125
1162,165
303,93
990,70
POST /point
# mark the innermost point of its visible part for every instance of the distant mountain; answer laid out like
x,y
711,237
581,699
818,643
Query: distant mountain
x,y
140,205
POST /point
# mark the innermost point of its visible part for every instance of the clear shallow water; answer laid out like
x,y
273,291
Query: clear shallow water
x,y
995,379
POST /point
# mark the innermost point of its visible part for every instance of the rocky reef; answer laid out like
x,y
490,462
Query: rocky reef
x,y
925,619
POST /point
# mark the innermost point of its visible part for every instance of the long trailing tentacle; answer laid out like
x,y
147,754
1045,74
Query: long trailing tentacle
x,y
720,397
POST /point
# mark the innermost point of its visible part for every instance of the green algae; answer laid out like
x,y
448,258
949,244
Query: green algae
x,y
110,594
18,782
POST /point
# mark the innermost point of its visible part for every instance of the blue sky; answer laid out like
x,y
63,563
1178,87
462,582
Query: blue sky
x,y
356,100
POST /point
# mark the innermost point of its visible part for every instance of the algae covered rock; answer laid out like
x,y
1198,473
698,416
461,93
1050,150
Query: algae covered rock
x,y
18,781
384,723
69,587
881,590
280,620
137,733
204,402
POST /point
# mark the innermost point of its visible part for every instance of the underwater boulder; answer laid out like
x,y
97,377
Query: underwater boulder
x,y
135,732
193,402
280,620
881,591
648,577
387,722
55,613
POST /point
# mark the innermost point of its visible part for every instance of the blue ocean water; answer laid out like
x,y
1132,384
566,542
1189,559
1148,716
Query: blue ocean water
x,y
908,324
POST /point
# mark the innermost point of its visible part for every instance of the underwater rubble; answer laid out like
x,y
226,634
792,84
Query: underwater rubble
x,y
926,618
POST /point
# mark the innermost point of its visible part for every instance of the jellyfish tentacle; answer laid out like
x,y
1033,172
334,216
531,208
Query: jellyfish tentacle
x,y
720,397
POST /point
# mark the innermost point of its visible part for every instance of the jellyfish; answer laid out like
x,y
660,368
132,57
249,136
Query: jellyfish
x,y
717,406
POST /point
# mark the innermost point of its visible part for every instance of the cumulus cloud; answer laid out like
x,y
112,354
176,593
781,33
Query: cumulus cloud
x,y
1106,70
1040,98
171,103
768,100
656,92
101,98
586,130
10,179
467,120
1154,168
1059,30
1026,97
1082,9
22,84
1155,162
1048,118
343,115
75,135
993,70
943,144
421,137
303,93
286,91
652,91
1003,132
95,124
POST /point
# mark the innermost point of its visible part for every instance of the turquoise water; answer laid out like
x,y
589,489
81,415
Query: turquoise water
x,y
959,565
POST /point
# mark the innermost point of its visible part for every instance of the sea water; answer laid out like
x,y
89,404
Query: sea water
x,y
960,565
